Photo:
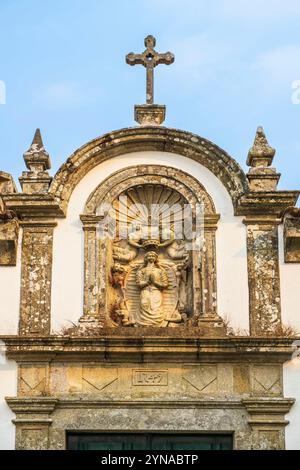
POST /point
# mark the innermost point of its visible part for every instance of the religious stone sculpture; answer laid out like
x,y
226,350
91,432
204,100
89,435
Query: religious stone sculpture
x,y
149,272
151,279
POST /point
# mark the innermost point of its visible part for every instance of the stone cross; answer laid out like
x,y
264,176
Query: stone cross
x,y
150,59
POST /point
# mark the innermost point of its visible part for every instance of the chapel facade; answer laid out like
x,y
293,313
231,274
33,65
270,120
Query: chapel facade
x,y
149,289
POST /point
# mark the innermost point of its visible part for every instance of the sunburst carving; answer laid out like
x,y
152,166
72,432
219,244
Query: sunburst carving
x,y
149,205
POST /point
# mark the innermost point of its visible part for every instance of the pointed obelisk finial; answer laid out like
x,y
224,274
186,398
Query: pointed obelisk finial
x,y
261,153
37,160
261,176
37,142
36,157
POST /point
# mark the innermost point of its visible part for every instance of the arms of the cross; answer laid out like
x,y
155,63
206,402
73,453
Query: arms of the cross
x,y
150,59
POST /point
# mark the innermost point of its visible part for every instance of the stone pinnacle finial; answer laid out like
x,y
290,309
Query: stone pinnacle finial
x,y
261,153
261,176
37,140
36,156
37,179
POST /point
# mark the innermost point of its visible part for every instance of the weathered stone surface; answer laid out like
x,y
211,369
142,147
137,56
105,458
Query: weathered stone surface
x,y
149,115
35,304
261,154
9,234
266,419
260,176
129,384
150,59
266,180
32,421
241,379
149,378
142,139
129,344
33,205
291,237
33,379
266,380
37,179
263,272
195,293
7,184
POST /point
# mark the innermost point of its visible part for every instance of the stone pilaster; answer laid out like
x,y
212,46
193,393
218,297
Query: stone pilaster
x,y
209,268
210,322
35,303
33,420
263,274
267,422
92,271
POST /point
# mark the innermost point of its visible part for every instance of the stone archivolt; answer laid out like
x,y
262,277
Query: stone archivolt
x,y
146,138
151,275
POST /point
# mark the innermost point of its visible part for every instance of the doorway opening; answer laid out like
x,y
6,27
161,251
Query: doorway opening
x,y
148,441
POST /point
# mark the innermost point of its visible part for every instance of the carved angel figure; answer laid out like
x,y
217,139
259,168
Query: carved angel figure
x,y
152,280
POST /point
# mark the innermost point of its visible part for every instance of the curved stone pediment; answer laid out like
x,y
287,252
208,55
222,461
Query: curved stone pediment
x,y
130,140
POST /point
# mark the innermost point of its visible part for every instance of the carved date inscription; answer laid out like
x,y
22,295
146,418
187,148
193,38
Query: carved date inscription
x,y
149,377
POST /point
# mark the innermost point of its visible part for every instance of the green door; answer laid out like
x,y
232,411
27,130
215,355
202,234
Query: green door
x,y
153,441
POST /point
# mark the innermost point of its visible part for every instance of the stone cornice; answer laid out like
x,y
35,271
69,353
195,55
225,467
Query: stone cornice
x,y
148,349
40,405
33,205
276,407
268,412
266,202
265,221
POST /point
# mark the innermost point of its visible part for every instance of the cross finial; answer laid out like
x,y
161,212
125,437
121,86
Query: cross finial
x,y
150,59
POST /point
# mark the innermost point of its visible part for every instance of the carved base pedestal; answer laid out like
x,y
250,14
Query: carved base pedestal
x,y
90,322
126,384
149,114
212,326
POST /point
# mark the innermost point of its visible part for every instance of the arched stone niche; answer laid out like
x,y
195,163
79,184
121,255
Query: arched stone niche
x,y
118,289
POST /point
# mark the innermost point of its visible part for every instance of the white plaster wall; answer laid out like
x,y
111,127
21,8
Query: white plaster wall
x,y
10,295
67,285
9,318
291,381
289,285
8,388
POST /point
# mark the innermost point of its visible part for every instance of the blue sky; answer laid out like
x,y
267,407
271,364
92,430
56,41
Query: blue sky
x,y
63,64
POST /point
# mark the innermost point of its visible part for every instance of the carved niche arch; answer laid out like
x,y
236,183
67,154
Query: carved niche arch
x,y
185,288
151,138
